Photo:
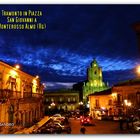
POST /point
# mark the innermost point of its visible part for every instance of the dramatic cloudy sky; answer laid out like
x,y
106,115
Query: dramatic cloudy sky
x,y
75,35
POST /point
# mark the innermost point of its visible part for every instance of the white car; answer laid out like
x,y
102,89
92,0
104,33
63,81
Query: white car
x,y
57,117
137,126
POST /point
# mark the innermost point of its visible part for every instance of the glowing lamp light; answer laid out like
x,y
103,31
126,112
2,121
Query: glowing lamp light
x,y
125,101
37,77
129,104
17,66
44,85
138,69
52,104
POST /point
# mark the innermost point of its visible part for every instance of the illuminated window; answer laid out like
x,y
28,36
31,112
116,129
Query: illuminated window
x,y
68,99
60,99
74,99
47,99
95,83
52,99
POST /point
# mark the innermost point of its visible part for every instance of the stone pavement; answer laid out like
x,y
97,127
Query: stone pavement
x,y
34,127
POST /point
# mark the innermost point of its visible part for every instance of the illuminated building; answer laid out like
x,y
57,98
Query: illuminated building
x,y
127,91
101,103
21,96
95,80
122,98
63,100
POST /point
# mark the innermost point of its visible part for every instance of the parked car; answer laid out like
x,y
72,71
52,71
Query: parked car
x,y
64,128
116,118
85,120
102,117
57,117
137,126
50,128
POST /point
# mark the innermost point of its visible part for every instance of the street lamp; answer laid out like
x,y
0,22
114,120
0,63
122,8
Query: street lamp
x,y
17,66
138,69
37,77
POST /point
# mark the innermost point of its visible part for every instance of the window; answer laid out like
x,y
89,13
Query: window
x,y
97,103
52,99
110,102
73,99
60,99
68,99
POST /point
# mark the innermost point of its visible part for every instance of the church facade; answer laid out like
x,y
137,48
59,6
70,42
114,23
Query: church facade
x,y
94,80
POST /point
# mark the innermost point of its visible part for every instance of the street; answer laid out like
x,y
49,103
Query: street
x,y
100,127
95,127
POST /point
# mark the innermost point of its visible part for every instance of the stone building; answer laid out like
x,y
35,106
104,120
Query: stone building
x,y
101,103
95,80
20,97
66,100
128,96
122,98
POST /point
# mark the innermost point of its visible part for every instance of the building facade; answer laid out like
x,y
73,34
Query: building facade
x,y
122,98
66,100
101,103
21,97
95,80
128,96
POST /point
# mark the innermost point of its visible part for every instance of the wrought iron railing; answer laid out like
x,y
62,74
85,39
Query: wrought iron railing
x,y
8,94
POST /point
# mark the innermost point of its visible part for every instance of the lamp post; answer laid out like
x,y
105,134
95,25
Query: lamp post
x,y
52,105
128,105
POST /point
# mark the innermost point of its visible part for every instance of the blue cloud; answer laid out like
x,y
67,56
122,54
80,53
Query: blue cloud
x,y
74,37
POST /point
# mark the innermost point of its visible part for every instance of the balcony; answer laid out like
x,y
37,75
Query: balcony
x,y
8,94
5,94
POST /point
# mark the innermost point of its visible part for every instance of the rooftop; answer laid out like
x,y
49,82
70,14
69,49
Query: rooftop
x,y
104,92
129,82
